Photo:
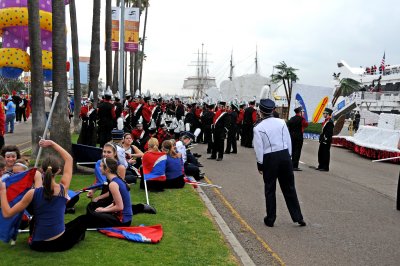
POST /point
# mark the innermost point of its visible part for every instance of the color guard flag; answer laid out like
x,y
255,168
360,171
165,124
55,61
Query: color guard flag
x,y
383,59
100,179
154,164
17,185
142,234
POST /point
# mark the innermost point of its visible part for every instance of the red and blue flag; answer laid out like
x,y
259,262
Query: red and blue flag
x,y
17,185
142,234
154,164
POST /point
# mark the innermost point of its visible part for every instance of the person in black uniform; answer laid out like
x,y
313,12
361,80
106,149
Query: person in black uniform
x,y
249,119
220,129
273,147
231,140
207,120
296,126
107,118
179,109
325,140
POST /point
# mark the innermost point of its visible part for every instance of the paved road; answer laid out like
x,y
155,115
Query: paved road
x,y
21,136
350,210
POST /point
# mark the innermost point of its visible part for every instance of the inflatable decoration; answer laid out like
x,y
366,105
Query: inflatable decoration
x,y
14,30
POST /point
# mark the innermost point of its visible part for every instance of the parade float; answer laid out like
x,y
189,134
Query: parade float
x,y
14,58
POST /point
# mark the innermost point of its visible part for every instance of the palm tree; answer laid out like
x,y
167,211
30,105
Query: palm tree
x,y
286,75
116,65
346,87
38,114
108,44
75,60
60,130
146,5
94,68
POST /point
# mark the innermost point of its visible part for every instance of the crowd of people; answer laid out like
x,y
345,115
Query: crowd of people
x,y
137,132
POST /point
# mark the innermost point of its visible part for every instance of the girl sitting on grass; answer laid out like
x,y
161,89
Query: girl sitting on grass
x,y
49,231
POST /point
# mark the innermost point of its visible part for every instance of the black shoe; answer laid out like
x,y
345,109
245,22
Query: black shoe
x,y
219,159
149,209
211,158
70,210
301,223
196,155
200,165
226,152
297,169
323,170
268,223
234,152
208,152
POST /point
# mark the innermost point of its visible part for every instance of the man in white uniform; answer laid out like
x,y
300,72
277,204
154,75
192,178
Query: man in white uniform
x,y
273,150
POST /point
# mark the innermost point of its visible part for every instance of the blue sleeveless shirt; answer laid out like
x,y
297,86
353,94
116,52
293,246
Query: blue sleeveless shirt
x,y
174,167
126,213
49,214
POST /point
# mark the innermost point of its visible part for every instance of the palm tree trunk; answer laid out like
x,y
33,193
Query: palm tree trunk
x,y
115,75
135,74
143,40
131,61
108,44
38,114
60,130
75,60
116,66
125,72
94,68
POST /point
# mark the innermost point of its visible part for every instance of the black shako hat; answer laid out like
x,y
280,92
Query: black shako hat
x,y
187,134
267,106
117,134
222,103
328,110
298,109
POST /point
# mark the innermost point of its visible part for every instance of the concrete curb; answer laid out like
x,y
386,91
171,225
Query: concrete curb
x,y
229,236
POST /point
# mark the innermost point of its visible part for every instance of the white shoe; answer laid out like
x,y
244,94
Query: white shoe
x,y
13,242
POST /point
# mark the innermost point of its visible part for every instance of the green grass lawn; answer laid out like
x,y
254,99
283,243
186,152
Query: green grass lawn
x,y
190,236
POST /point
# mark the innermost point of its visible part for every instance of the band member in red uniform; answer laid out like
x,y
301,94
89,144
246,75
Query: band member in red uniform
x,y
220,127
249,119
239,121
296,126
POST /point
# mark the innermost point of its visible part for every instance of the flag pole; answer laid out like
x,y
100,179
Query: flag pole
x,y
147,194
386,159
46,128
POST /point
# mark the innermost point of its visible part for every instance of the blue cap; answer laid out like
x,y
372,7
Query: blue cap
x,y
187,134
117,134
267,106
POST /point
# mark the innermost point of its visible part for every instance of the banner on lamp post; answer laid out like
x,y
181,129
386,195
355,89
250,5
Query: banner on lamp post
x,y
131,43
115,18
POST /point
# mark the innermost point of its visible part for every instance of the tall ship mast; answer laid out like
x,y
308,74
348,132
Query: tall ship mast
x,y
201,81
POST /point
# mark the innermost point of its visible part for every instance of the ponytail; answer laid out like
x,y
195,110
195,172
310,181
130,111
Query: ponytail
x,y
50,167
48,191
169,148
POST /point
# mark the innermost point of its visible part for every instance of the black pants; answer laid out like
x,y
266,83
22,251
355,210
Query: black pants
x,y
95,219
297,145
192,170
208,139
247,135
21,113
178,182
104,135
231,141
218,148
74,232
278,165
324,156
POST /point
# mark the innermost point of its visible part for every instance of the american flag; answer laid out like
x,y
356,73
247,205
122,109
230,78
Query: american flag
x,y
383,60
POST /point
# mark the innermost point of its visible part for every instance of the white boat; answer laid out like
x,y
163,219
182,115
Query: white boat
x,y
380,91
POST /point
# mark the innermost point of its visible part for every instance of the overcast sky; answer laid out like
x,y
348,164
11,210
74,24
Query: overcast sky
x,y
310,35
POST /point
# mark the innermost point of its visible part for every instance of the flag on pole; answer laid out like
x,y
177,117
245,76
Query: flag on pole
x,y
17,185
100,179
142,234
383,59
154,164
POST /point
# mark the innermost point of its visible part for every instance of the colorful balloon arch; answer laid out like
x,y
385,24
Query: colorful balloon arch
x,y
14,58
